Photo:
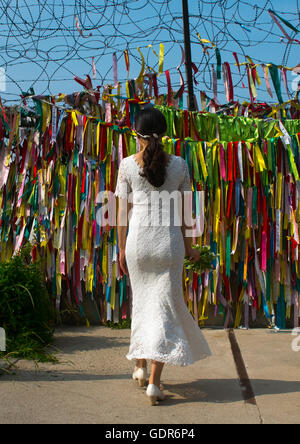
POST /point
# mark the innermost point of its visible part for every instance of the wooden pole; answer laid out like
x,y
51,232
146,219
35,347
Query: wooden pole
x,y
188,55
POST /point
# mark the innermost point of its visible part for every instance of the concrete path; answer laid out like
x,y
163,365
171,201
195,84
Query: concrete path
x,y
92,383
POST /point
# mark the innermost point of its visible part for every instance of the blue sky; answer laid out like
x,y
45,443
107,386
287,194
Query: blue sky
x,y
41,46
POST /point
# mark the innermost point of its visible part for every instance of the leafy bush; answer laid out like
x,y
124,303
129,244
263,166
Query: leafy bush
x,y
206,260
123,325
26,310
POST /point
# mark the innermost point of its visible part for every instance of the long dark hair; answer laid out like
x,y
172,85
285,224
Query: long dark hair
x,y
151,124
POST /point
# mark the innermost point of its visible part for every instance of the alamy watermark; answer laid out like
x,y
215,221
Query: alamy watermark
x,y
296,341
2,340
158,208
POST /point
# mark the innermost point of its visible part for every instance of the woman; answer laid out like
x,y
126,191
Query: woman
x,y
153,254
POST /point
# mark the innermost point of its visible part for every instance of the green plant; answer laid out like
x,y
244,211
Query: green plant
x,y
205,262
26,310
123,325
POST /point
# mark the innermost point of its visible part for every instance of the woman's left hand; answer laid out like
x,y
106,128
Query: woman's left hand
x,y
122,261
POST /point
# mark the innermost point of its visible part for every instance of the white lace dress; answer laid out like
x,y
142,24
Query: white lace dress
x,y
162,327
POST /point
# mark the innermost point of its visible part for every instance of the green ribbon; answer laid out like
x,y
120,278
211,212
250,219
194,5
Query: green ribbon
x,y
39,112
292,163
270,165
276,81
195,164
132,145
209,164
288,24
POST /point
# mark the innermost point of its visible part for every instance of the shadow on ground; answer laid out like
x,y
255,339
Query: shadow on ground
x,y
71,344
203,390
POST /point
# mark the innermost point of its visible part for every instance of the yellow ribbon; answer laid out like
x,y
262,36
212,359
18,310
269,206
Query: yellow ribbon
x,y
141,75
217,214
279,189
202,161
205,40
246,263
74,118
161,59
253,65
260,159
98,139
203,317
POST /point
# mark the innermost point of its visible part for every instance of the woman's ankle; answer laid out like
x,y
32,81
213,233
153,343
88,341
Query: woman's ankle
x,y
154,381
141,363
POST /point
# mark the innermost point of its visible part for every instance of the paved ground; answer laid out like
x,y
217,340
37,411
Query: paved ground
x,y
92,383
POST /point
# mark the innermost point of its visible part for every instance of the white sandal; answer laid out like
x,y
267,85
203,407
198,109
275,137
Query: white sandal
x,y
154,394
140,375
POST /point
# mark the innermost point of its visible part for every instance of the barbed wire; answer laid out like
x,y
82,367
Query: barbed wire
x,y
46,43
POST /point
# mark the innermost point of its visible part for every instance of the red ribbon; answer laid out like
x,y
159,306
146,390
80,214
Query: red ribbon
x,y
195,281
239,68
155,85
178,148
80,228
83,180
257,180
126,59
265,214
103,140
229,162
196,70
235,156
24,152
230,84
229,198
186,124
170,101
73,193
226,282
68,142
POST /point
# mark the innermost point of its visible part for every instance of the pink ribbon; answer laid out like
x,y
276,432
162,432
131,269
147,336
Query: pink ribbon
x,y
267,80
79,30
283,73
239,67
280,27
222,162
94,68
228,82
264,251
115,69
20,239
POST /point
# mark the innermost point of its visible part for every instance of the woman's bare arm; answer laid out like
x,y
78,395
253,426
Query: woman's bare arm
x,y
184,228
122,222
